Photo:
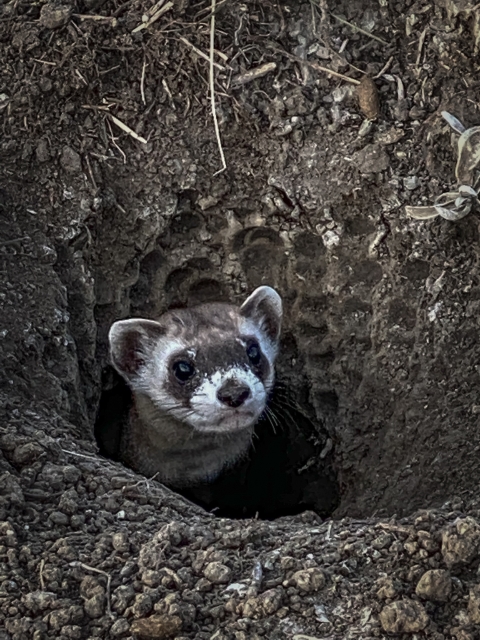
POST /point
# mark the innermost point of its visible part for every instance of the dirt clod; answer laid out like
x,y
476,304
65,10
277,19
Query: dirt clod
x,y
460,542
474,604
371,159
435,584
404,616
217,573
311,579
156,627
53,16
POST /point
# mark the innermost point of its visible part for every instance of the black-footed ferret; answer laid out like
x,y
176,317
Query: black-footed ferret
x,y
200,379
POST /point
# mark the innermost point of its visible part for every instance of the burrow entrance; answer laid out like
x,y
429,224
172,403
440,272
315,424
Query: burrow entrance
x,y
289,468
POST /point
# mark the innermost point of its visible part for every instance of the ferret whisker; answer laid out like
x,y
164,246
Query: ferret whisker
x,y
268,414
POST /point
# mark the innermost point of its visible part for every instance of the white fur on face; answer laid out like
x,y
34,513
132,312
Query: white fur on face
x,y
209,414
152,378
268,347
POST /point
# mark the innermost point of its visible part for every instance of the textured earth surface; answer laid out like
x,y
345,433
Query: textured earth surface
x,y
112,204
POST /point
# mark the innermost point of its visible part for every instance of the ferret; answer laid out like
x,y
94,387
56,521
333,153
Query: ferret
x,y
200,379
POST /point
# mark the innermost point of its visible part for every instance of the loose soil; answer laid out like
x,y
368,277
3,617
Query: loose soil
x,y
377,402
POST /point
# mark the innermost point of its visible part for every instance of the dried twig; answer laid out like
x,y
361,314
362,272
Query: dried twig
x,y
127,129
319,67
200,53
384,69
359,29
42,581
253,74
421,42
89,167
312,65
142,82
53,64
212,88
82,16
80,455
153,17
7,242
115,144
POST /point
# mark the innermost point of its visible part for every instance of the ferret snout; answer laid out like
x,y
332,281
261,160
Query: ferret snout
x,y
233,393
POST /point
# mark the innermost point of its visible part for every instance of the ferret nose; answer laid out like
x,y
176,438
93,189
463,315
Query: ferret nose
x,y
233,393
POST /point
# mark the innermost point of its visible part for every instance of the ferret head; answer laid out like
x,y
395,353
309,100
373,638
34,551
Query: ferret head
x,y
210,366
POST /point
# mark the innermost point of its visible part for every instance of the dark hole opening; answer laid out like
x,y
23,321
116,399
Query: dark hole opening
x,y
288,470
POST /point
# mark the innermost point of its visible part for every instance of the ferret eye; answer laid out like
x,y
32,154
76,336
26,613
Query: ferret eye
x,y
254,354
183,370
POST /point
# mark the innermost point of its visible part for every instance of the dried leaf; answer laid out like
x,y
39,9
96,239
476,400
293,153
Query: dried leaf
x,y
452,214
422,213
468,156
453,122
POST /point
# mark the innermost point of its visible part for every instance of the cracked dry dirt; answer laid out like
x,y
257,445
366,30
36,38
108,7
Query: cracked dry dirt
x,y
380,348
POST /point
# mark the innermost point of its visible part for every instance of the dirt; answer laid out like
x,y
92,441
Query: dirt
x,y
360,511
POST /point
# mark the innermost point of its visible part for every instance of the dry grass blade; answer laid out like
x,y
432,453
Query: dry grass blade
x,y
212,88
359,29
127,129
200,53
153,18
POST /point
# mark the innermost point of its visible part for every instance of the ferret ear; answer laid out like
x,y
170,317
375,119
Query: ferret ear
x,y
131,345
264,307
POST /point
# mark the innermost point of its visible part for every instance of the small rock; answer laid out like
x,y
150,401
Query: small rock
x,y
371,159
122,597
119,628
70,160
143,605
207,202
266,604
474,604
57,517
460,633
411,182
27,453
217,573
435,585
460,543
11,489
38,600
72,632
120,542
54,16
388,588
42,151
404,616
151,578
311,579
156,627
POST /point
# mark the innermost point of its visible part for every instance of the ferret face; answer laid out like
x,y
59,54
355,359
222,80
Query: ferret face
x,y
210,366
